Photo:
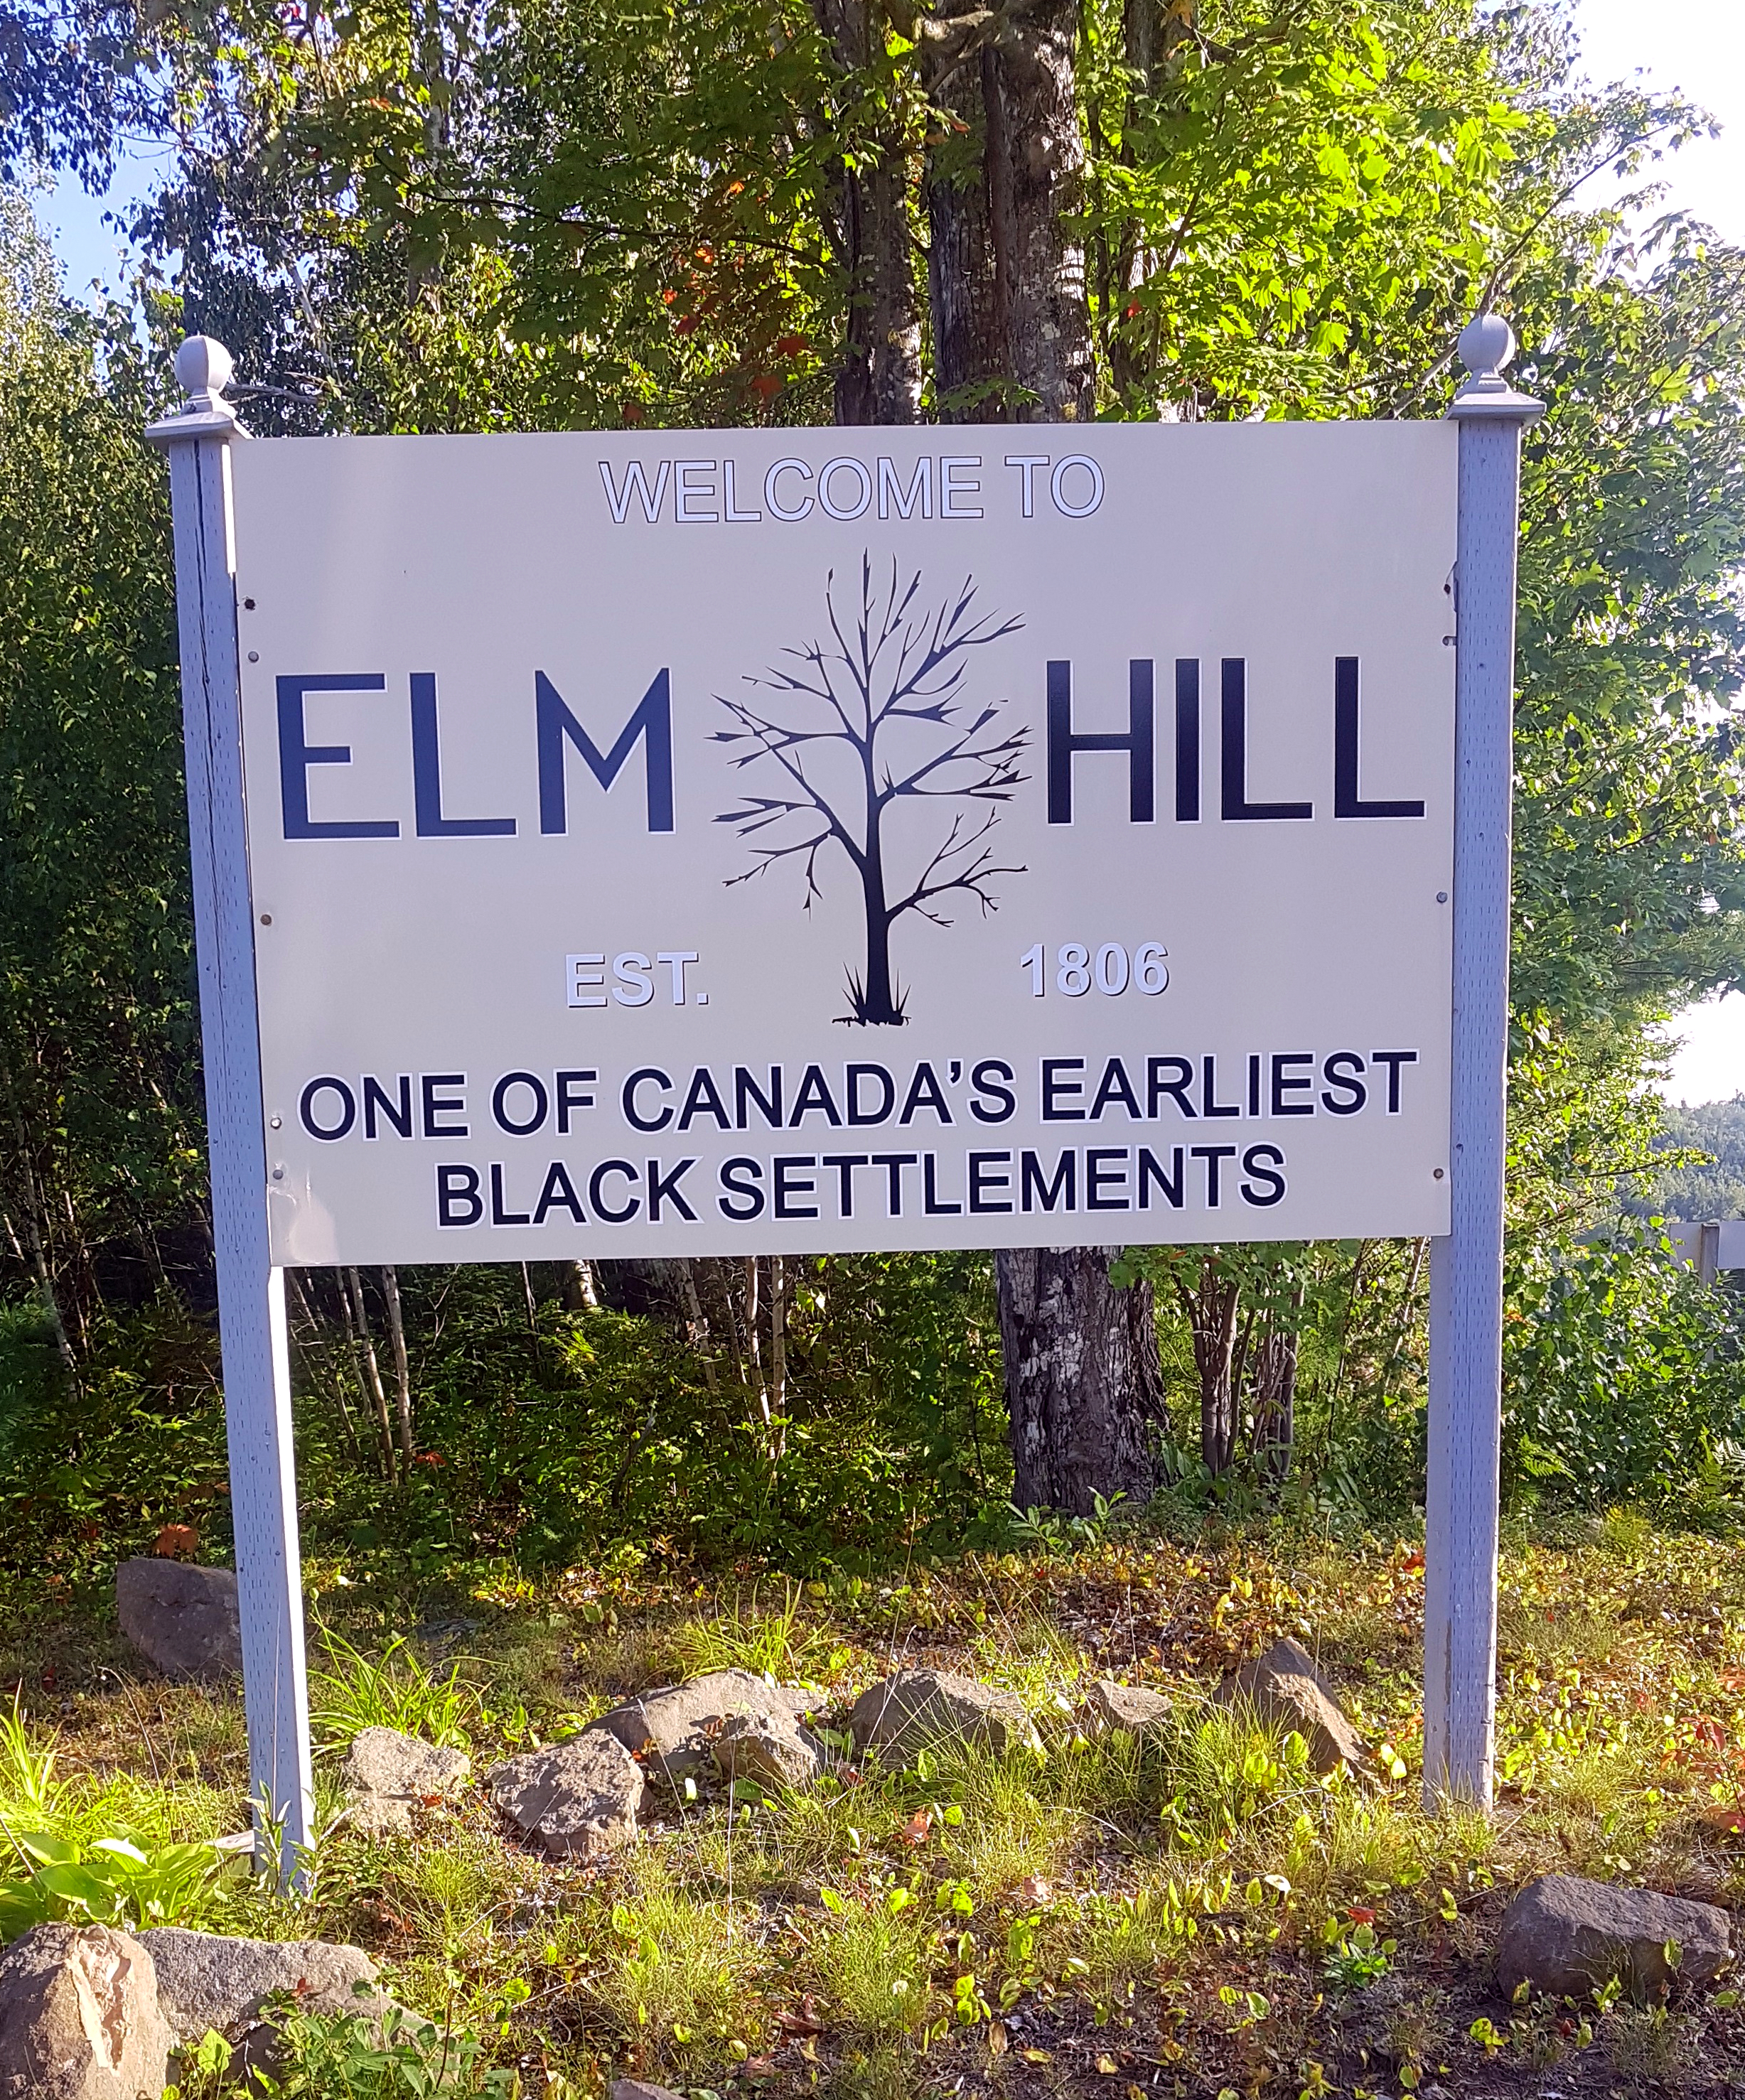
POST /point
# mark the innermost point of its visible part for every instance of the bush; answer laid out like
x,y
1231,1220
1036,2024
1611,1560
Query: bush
x,y
1622,1375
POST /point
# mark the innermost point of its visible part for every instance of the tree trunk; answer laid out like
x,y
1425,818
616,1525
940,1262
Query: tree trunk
x,y
1011,334
1275,1404
1011,327
364,1358
877,1001
402,1369
879,378
1213,1308
1083,1380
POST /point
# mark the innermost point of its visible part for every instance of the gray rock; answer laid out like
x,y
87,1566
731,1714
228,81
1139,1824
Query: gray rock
x,y
1563,1935
1284,1686
771,1748
208,1982
1111,1708
582,1797
79,2017
183,1619
387,1774
675,1728
639,2088
919,1708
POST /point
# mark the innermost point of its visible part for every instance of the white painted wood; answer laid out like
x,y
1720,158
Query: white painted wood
x,y
1466,1267
251,1293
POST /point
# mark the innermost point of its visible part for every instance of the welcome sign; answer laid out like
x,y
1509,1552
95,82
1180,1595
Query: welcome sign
x,y
693,843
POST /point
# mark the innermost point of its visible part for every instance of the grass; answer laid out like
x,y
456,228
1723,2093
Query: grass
x,y
395,1689
1191,1915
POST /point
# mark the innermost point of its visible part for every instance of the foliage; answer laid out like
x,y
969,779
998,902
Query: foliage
x,y
110,1881
1195,1887
129,1875
98,1075
340,2056
396,1691
1629,853
1623,1378
464,217
1711,1185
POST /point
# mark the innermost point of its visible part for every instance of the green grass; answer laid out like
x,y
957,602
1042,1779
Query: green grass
x,y
1191,1908
395,1690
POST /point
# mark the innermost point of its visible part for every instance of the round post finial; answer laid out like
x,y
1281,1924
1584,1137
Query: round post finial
x,y
1487,346
203,367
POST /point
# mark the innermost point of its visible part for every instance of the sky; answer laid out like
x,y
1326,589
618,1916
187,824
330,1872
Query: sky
x,y
1695,45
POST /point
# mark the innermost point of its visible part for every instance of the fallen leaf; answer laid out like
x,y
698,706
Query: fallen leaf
x,y
915,1831
996,2038
1360,1914
759,2067
1108,2067
1033,1889
1037,2056
803,2022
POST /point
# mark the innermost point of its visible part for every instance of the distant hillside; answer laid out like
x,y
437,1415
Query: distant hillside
x,y
1715,1191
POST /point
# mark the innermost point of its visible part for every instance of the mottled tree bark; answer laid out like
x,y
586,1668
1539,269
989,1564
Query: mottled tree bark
x,y
879,378
1213,1309
1011,330
1083,1383
1275,1404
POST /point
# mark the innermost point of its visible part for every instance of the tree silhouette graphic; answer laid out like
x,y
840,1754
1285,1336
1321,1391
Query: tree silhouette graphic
x,y
871,719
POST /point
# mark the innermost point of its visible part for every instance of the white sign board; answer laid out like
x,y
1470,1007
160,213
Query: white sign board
x,y
695,843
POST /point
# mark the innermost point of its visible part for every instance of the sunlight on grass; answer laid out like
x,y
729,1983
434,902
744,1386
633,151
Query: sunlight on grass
x,y
356,1693
767,1642
871,1968
673,1966
1007,1832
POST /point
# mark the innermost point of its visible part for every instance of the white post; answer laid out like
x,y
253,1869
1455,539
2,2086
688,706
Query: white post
x,y
1466,1268
251,1292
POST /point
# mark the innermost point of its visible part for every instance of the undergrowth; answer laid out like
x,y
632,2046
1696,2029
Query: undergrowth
x,y
1193,1907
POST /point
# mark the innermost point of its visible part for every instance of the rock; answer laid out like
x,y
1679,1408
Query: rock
x,y
206,1981
79,2017
917,1708
1284,1686
387,1774
639,2088
771,1748
183,1619
675,1728
1563,1935
1111,1708
582,1797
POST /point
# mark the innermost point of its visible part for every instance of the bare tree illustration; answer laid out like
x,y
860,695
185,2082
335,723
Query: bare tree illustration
x,y
872,718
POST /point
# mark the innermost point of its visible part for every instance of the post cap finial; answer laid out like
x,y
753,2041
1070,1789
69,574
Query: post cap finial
x,y
203,367
1486,345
